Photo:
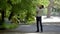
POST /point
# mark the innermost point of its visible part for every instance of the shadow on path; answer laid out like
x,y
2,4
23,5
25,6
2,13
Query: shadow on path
x,y
32,28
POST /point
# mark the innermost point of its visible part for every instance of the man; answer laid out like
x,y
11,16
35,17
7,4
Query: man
x,y
39,11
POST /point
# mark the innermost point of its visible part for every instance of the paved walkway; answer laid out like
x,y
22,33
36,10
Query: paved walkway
x,y
32,28
30,33
47,29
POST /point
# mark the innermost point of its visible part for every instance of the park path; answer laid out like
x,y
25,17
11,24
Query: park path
x,y
32,28
49,25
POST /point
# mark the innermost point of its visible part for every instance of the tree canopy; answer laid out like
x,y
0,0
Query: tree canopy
x,y
23,9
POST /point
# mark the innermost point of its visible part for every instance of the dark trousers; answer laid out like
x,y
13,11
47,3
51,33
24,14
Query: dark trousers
x,y
39,21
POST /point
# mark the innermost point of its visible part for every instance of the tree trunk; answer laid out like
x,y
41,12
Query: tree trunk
x,y
2,16
50,8
2,21
11,15
49,12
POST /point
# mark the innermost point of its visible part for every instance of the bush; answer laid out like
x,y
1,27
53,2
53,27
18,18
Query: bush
x,y
9,26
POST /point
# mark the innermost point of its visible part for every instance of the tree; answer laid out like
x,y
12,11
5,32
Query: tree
x,y
54,5
3,9
15,7
50,8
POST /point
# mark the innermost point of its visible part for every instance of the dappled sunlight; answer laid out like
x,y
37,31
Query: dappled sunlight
x,y
52,19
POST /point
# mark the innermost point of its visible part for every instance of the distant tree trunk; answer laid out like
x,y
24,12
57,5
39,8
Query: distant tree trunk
x,y
49,12
11,15
2,16
50,8
2,21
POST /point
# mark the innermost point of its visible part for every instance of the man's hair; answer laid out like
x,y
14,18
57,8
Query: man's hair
x,y
41,6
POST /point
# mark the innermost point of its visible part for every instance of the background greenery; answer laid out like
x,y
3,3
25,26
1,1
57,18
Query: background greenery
x,y
23,11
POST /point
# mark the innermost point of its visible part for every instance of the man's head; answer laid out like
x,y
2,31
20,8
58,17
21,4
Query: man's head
x,y
40,6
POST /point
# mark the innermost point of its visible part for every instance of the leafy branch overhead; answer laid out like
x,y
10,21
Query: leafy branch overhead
x,y
26,8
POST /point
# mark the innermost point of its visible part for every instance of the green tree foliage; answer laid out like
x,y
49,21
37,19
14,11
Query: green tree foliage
x,y
56,7
43,2
56,3
31,11
25,8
